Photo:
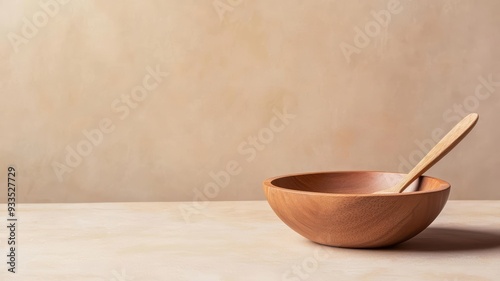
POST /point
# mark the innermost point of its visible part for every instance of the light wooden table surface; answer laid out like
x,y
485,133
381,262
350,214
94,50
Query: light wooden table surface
x,y
235,241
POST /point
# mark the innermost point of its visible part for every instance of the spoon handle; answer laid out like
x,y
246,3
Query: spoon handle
x,y
442,148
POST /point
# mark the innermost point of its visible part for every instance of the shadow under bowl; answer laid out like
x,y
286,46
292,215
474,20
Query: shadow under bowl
x,y
339,208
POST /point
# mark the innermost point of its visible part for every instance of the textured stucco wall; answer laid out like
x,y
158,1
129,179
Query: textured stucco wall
x,y
150,100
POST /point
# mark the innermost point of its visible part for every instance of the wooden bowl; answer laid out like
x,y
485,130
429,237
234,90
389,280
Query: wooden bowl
x,y
339,209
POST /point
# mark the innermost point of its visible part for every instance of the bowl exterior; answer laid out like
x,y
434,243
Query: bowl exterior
x,y
356,221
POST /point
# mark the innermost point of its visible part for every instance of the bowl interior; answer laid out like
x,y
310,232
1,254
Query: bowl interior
x,y
354,182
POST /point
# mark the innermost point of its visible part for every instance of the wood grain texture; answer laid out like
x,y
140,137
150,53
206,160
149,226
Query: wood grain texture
x,y
445,145
339,208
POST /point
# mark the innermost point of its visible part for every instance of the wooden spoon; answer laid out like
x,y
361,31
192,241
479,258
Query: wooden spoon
x,y
445,145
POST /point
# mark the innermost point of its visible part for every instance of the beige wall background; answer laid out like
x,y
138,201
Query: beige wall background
x,y
254,88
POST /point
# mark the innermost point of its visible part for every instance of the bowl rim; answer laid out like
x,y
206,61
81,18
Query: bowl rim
x,y
268,182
